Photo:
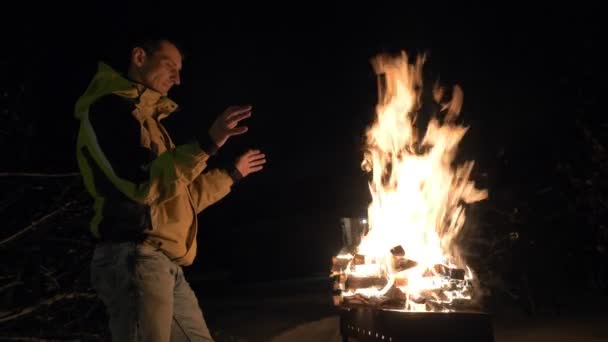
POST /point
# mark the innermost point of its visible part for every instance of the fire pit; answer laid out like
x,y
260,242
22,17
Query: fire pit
x,y
400,275
369,324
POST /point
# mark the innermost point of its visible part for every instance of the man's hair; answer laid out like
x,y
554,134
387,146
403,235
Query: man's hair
x,y
151,44
117,52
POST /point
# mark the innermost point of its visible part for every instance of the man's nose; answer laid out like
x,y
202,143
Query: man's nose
x,y
176,78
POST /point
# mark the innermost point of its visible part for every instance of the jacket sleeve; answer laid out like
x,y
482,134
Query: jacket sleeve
x,y
210,187
136,171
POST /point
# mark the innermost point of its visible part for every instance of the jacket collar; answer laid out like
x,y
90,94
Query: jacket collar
x,y
109,81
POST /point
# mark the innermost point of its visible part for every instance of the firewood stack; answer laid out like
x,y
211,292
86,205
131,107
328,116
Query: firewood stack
x,y
386,287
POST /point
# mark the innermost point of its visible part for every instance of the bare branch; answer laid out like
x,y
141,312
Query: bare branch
x,y
21,338
36,223
9,285
49,275
73,337
48,301
78,242
43,175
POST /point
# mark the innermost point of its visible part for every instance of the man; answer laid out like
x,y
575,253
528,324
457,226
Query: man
x,y
147,194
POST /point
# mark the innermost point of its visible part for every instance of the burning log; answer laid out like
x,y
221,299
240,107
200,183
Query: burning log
x,y
397,295
339,264
402,264
354,283
401,282
454,273
457,273
337,297
398,251
358,299
385,303
446,295
358,259
434,306
394,299
339,281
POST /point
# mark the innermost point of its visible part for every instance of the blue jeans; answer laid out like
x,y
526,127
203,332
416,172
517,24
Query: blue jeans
x,y
146,295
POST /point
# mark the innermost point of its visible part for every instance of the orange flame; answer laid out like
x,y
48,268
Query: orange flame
x,y
417,196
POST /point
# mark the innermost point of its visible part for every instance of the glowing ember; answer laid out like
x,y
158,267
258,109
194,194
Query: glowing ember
x,y
408,255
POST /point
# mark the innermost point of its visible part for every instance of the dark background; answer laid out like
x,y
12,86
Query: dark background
x,y
531,84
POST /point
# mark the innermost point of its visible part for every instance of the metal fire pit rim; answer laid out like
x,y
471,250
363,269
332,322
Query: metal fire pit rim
x,y
378,308
435,312
380,324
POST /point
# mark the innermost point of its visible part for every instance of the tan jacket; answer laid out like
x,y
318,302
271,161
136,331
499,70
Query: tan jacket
x,y
144,187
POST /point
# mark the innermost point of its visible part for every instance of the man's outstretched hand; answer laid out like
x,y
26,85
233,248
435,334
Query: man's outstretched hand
x,y
250,162
225,125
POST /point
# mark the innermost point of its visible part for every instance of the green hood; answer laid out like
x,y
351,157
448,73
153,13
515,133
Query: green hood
x,y
105,81
109,81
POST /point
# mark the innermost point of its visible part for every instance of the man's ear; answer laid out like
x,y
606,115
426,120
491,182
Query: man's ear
x,y
138,56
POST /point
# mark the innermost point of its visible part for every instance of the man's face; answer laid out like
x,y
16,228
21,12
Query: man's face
x,y
160,70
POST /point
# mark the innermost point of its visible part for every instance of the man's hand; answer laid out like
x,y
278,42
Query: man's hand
x,y
250,162
225,125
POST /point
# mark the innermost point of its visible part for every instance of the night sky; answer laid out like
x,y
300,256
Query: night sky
x,y
525,73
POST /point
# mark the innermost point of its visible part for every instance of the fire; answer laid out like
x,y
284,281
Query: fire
x,y
417,211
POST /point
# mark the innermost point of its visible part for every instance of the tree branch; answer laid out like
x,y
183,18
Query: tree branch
x,y
9,285
49,301
36,223
72,337
43,175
